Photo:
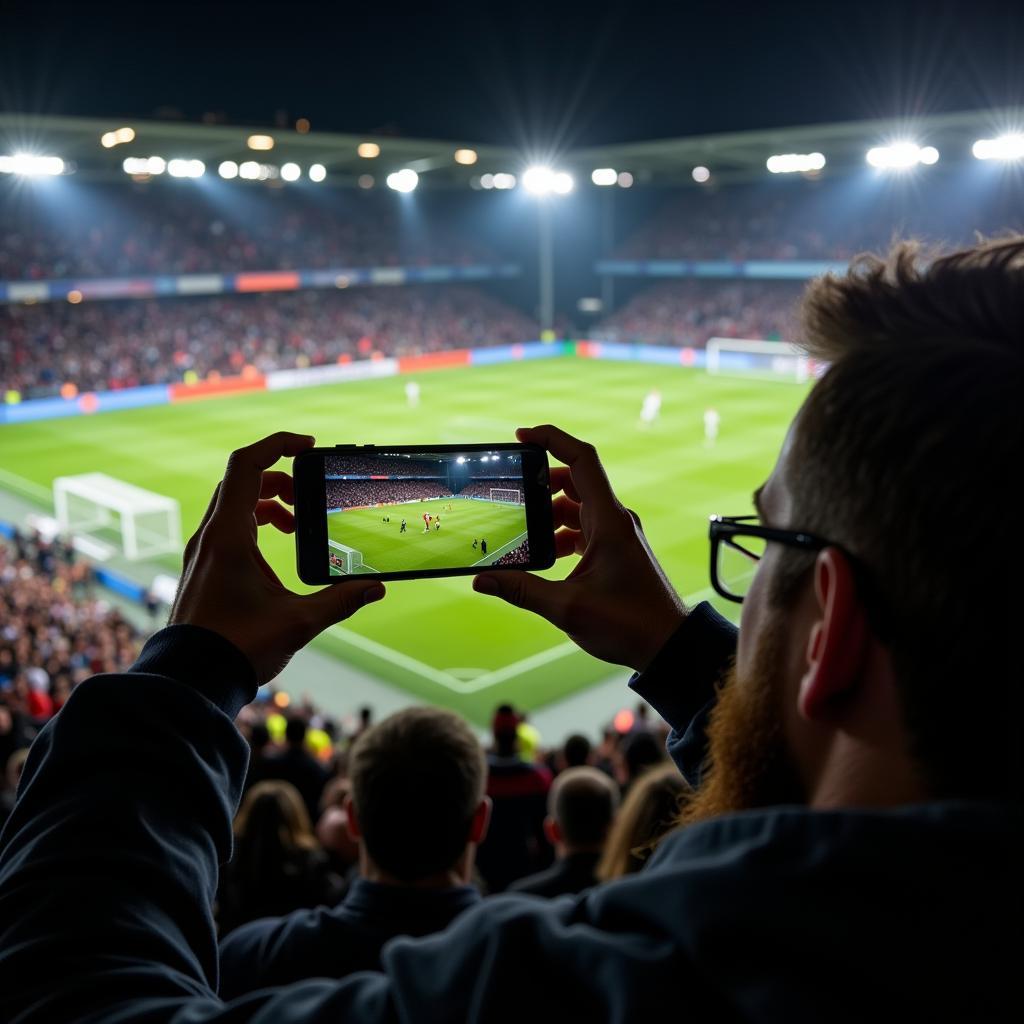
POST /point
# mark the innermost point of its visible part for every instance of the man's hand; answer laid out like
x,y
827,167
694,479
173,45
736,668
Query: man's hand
x,y
616,603
227,585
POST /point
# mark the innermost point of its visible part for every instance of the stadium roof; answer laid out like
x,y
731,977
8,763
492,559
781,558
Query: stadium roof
x,y
731,157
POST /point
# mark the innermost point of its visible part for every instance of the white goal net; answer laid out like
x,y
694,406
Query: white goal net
x,y
344,560
146,523
770,360
507,494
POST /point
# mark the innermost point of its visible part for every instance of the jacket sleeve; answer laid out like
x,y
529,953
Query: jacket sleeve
x,y
680,683
108,869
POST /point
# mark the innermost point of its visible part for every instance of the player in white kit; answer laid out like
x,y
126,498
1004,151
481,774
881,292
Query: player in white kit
x,y
651,407
711,422
412,394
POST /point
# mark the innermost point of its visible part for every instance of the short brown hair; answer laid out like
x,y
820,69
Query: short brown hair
x,y
908,455
417,780
583,802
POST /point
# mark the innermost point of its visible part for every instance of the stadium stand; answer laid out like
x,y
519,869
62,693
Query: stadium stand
x,y
483,488
356,493
109,345
386,467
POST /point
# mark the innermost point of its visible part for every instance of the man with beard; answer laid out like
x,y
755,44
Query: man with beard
x,y
853,851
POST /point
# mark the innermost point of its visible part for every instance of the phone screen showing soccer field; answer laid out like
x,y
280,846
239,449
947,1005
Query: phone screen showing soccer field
x,y
407,512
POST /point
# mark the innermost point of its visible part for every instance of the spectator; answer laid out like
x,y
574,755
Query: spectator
x,y
277,865
417,810
637,752
649,812
516,845
261,755
296,765
581,806
575,752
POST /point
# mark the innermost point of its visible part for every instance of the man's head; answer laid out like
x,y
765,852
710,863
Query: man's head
x,y
576,751
881,669
581,805
295,731
417,803
505,730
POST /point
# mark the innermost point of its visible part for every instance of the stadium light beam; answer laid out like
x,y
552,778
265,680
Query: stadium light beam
x,y
179,168
795,163
1005,147
404,181
901,156
228,169
604,176
317,172
32,165
291,172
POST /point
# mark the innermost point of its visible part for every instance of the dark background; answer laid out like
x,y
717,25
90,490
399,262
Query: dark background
x,y
548,76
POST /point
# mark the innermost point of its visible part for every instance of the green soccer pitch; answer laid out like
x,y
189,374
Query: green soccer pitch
x,y
453,545
436,638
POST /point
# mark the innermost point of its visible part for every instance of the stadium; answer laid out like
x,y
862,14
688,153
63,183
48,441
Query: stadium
x,y
769,337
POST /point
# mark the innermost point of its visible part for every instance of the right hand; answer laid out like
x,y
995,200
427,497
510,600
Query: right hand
x,y
617,603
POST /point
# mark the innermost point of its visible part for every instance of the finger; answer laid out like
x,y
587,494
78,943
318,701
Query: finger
x,y
561,480
524,590
588,475
240,488
338,602
193,541
276,484
565,512
569,542
269,511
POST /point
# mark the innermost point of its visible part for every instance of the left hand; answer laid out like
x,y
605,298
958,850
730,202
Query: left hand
x,y
226,584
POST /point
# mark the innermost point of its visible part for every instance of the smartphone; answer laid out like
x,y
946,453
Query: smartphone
x,y
408,511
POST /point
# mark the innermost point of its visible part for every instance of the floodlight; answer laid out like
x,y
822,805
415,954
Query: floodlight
x,y
404,180
317,172
562,183
604,176
302,126
368,150
1006,147
487,181
291,172
466,157
31,165
625,179
700,174
108,140
795,163
249,170
461,459
228,169
260,142
186,168
538,180
504,181
156,165
366,181
901,156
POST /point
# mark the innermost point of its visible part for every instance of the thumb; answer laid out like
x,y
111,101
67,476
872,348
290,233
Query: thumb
x,y
338,602
524,590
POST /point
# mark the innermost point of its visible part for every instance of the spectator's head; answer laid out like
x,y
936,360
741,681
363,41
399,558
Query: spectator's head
x,y
259,737
581,805
417,804
295,731
576,751
271,828
505,730
639,751
857,652
649,811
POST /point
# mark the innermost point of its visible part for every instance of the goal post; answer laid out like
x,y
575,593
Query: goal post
x,y
509,495
147,523
344,560
768,360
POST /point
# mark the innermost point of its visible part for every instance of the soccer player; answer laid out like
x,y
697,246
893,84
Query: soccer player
x,y
412,394
402,528
483,547
711,421
475,545
426,522
651,407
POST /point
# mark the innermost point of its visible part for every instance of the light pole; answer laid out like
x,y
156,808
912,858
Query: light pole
x,y
545,184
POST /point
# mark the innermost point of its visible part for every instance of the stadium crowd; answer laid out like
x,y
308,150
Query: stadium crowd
x,y
109,345
688,313
519,555
358,464
482,488
121,230
357,493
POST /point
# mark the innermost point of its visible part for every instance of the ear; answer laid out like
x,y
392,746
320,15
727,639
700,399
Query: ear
x,y
351,821
839,637
481,821
552,831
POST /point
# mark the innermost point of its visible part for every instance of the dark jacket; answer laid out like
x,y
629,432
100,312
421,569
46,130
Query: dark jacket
x,y
107,878
331,942
568,876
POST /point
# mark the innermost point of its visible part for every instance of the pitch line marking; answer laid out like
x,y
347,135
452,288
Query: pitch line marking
x,y
27,487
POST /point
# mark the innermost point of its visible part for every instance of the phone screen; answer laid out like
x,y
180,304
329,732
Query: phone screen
x,y
424,511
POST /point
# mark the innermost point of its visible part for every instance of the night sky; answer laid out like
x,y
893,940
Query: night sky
x,y
539,75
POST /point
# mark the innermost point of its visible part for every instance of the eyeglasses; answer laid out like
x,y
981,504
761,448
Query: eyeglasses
x,y
738,544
